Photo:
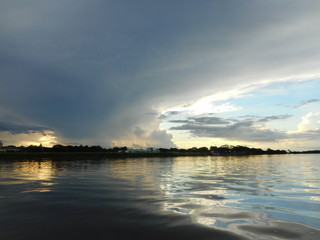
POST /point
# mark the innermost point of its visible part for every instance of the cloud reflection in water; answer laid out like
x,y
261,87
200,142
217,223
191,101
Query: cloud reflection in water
x,y
236,192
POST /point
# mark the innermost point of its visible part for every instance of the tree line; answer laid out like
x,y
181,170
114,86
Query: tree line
x,y
213,150
71,148
226,150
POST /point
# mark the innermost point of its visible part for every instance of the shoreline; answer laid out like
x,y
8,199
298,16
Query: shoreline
x,y
8,155
93,154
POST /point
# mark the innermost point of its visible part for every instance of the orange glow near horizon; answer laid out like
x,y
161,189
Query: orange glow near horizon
x,y
47,139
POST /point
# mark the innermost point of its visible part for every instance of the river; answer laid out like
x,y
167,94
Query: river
x,y
249,197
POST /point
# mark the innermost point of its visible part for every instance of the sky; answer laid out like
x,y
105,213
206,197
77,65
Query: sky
x,y
150,73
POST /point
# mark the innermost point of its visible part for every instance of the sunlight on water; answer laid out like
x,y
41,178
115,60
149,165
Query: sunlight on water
x,y
230,192
39,172
257,197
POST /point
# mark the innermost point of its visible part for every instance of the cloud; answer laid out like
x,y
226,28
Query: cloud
x,y
310,122
138,131
19,128
306,135
233,129
202,120
168,114
301,104
160,138
94,70
307,102
142,138
272,118
265,119
46,138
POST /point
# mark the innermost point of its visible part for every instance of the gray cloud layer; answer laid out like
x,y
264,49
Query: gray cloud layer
x,y
95,69
303,103
233,129
17,128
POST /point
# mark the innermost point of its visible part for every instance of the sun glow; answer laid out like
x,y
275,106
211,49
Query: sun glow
x,y
46,138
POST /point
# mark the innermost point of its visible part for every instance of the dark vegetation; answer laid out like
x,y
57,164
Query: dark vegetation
x,y
223,150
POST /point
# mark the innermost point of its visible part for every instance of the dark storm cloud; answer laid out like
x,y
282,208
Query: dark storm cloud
x,y
233,129
92,69
18,128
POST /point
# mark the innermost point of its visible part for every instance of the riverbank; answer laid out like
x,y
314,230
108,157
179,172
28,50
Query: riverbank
x,y
19,155
6,155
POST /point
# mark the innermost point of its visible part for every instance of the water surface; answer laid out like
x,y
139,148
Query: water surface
x,y
256,197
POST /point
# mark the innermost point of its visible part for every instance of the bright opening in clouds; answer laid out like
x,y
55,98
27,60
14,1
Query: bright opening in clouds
x,y
276,114
160,73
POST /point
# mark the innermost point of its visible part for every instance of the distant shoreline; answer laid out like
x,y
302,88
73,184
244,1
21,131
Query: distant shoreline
x,y
6,155
95,154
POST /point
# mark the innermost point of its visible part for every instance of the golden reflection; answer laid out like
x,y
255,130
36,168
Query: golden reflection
x,y
42,190
42,172
35,170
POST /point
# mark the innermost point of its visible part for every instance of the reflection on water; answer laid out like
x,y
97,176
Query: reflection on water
x,y
30,170
282,187
257,197
40,173
236,192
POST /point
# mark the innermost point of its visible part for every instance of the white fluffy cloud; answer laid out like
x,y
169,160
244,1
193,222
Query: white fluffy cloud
x,y
310,122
